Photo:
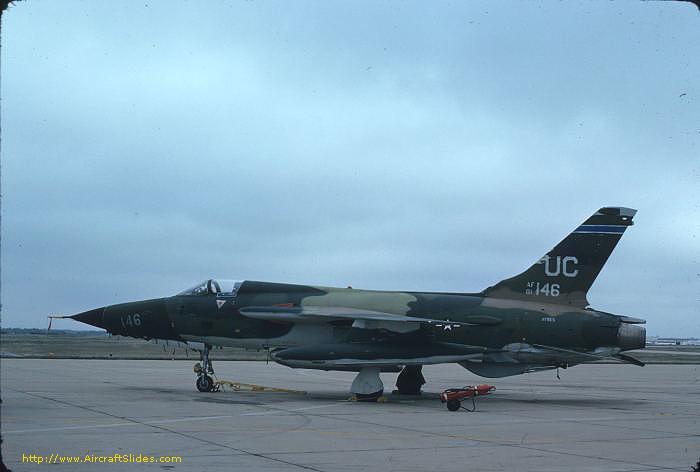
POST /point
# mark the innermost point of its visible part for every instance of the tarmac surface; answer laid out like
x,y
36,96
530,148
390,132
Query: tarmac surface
x,y
597,417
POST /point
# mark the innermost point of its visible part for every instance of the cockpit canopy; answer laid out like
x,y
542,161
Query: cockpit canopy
x,y
214,287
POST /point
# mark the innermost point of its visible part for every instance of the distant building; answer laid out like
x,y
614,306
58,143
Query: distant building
x,y
659,341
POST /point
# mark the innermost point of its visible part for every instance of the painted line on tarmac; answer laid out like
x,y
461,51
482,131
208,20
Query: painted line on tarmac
x,y
159,422
280,410
110,425
182,434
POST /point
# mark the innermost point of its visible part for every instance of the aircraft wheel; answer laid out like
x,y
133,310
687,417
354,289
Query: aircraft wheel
x,y
205,383
453,405
410,380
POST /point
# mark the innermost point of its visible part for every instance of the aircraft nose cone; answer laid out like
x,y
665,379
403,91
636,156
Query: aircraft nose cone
x,y
92,317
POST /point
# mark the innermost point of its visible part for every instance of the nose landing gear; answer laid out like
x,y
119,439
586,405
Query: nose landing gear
x,y
204,370
205,383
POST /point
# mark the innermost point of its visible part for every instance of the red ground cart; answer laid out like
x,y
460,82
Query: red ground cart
x,y
454,396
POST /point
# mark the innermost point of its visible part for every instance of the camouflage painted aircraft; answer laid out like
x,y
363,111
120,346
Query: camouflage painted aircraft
x,y
539,319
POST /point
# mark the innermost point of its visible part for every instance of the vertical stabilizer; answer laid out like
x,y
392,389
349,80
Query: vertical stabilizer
x,y
565,274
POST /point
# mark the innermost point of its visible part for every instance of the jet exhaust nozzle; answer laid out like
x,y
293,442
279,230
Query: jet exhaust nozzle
x,y
631,336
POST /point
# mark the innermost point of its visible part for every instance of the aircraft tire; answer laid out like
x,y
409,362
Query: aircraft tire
x,y
369,397
410,380
453,405
205,383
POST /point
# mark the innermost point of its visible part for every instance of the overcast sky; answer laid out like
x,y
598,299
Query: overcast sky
x,y
410,145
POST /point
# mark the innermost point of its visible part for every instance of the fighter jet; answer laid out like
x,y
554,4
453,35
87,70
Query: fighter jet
x,y
539,319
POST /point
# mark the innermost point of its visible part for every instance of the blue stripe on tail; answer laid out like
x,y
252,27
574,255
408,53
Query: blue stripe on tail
x,y
601,229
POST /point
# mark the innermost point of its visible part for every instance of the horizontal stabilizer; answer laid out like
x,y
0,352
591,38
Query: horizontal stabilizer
x,y
630,360
619,357
631,320
572,352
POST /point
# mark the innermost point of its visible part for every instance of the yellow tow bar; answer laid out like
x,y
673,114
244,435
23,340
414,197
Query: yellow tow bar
x,y
221,385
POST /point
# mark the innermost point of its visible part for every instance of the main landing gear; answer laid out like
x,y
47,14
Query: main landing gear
x,y
410,380
204,371
367,386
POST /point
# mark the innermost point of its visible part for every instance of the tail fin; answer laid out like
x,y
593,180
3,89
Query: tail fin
x,y
565,273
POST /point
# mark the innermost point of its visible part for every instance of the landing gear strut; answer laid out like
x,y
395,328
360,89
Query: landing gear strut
x,y
367,386
410,380
204,370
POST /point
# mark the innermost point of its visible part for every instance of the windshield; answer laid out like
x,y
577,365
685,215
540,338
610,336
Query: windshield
x,y
214,287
